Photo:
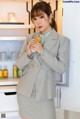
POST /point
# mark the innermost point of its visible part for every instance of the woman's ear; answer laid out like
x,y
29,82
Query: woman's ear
x,y
50,18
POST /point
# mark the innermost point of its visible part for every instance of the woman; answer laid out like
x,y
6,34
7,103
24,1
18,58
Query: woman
x,y
40,62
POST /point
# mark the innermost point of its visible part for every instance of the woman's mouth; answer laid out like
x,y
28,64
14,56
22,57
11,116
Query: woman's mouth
x,y
39,27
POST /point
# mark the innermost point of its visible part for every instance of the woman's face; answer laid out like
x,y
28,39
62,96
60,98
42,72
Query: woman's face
x,y
41,22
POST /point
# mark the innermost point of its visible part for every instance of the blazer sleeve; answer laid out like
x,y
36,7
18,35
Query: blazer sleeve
x,y
57,63
22,59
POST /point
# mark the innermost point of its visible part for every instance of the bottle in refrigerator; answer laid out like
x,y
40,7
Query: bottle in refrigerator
x,y
5,72
20,72
15,71
1,72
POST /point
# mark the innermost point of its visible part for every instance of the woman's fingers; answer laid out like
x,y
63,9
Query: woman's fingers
x,y
37,47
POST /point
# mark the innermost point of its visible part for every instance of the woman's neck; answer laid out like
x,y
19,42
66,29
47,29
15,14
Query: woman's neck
x,y
46,31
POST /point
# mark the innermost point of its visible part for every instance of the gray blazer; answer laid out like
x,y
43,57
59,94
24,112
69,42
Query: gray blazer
x,y
41,70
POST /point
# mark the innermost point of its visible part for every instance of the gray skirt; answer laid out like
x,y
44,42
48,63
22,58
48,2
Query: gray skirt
x,y
32,109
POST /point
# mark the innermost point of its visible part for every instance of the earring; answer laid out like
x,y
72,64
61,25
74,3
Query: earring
x,y
50,22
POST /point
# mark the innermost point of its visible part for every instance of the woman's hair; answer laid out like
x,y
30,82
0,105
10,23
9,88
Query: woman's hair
x,y
46,8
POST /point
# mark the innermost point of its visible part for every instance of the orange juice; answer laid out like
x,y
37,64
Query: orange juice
x,y
38,38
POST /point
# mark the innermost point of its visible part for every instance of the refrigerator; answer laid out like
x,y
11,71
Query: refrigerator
x,y
9,49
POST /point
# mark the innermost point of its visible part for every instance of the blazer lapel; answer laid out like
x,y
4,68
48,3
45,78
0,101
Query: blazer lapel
x,y
51,40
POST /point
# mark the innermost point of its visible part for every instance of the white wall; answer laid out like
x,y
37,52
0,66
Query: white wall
x,y
70,96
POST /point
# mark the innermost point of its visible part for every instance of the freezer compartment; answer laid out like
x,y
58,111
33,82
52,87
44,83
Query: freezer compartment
x,y
8,99
10,115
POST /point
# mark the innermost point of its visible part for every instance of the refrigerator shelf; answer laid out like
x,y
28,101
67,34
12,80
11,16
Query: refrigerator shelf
x,y
9,82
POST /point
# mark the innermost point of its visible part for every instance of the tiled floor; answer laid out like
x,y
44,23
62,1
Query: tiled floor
x,y
61,114
71,115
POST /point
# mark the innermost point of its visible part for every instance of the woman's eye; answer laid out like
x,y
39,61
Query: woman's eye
x,y
41,16
34,18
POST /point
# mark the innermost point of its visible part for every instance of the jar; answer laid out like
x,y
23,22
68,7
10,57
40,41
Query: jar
x,y
11,17
5,72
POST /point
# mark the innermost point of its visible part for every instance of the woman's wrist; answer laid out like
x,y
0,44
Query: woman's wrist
x,y
41,52
29,55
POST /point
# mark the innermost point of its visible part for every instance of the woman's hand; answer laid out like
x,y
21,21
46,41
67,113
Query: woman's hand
x,y
36,46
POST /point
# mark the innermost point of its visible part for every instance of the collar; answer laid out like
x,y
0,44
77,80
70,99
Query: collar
x,y
53,34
